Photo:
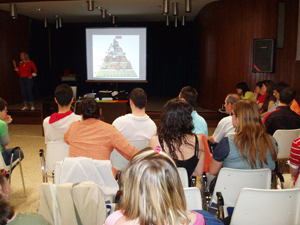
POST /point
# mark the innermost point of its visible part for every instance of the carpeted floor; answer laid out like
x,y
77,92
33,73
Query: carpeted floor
x,y
29,138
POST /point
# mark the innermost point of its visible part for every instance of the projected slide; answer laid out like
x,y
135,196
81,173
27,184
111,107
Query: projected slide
x,y
120,59
116,54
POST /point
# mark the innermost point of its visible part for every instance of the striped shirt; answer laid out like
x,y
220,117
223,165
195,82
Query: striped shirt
x,y
295,156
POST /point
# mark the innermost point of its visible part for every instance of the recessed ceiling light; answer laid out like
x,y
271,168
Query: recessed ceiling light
x,y
39,9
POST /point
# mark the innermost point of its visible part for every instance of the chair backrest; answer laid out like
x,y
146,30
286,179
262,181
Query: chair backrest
x,y
258,206
55,152
183,177
193,198
231,181
58,203
297,184
284,140
118,161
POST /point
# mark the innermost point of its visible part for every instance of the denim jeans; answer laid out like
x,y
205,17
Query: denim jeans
x,y
26,89
6,153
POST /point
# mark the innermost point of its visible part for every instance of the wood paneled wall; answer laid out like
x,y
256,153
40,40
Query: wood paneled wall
x,y
226,30
14,38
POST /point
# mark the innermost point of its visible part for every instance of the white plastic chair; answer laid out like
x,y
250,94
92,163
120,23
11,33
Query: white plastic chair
x,y
119,161
258,206
231,181
284,140
56,152
8,168
193,198
183,177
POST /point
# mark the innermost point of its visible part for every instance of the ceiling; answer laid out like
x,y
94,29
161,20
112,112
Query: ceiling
x,y
124,10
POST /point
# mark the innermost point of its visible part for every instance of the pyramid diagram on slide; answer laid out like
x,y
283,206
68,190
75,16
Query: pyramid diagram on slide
x,y
115,63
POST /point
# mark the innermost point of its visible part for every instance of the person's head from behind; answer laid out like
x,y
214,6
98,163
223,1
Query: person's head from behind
x,y
250,138
175,120
6,211
90,109
278,87
241,88
189,94
3,108
230,100
63,94
152,190
138,97
287,95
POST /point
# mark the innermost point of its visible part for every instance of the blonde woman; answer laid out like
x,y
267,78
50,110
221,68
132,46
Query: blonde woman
x,y
26,69
153,193
251,147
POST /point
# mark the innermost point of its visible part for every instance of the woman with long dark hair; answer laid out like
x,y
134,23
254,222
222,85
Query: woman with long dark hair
x,y
250,147
176,138
243,91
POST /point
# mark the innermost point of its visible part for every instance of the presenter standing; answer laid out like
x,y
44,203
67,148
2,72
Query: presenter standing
x,y
26,83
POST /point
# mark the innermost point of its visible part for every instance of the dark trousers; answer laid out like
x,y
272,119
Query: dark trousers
x,y
6,153
26,89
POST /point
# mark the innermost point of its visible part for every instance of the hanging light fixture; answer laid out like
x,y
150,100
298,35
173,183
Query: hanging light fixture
x,y
45,22
13,11
166,6
188,6
113,19
176,21
59,22
103,13
175,8
90,5
167,20
183,20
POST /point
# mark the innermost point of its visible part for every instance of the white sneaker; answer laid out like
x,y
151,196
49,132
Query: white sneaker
x,y
24,108
32,108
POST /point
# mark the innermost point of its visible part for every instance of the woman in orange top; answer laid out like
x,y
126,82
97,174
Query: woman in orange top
x,y
94,138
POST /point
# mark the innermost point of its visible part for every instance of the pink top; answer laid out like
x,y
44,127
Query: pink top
x,y
114,217
96,139
26,70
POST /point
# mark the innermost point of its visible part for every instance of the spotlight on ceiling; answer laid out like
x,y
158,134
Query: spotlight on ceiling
x,y
103,13
45,22
90,5
188,6
183,20
166,6
167,20
175,8
13,11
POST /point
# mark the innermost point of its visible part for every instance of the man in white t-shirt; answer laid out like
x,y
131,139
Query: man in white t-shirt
x,y
225,126
56,125
137,125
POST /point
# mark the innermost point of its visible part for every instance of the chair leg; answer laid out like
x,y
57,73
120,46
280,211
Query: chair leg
x,y
20,165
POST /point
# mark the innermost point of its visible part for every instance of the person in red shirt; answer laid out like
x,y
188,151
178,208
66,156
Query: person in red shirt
x,y
24,69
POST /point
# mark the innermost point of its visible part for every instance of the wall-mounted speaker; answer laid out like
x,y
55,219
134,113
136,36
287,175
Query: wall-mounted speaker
x,y
263,56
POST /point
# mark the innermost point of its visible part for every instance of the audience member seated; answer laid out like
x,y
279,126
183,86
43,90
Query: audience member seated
x,y
138,124
283,117
294,164
4,136
176,138
93,138
7,212
250,147
190,95
256,91
56,125
262,92
276,92
153,193
225,126
243,91
270,98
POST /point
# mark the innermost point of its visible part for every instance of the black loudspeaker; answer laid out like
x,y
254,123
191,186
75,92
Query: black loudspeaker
x,y
263,56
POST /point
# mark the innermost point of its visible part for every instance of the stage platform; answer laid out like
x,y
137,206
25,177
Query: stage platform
x,y
153,109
